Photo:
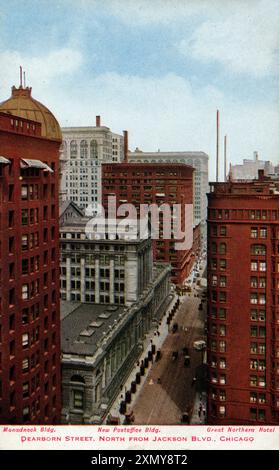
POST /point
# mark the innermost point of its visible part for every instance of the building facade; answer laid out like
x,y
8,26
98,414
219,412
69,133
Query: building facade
x,y
198,160
243,302
158,184
83,151
123,296
248,170
102,271
29,310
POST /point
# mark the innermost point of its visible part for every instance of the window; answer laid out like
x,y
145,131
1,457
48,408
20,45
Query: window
x,y
263,232
223,281
24,192
78,399
25,340
24,216
223,231
25,364
262,266
258,250
254,266
254,282
24,242
254,232
223,264
253,397
253,414
253,380
25,292
223,297
222,313
222,248
222,346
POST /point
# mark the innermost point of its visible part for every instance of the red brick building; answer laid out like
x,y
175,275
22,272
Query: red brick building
x,y
154,183
29,277
243,303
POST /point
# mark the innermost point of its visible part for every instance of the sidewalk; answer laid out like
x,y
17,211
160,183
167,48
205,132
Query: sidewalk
x,y
151,338
199,409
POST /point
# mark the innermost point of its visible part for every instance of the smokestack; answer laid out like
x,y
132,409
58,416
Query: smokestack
x,y
98,121
225,158
125,133
20,76
217,145
256,156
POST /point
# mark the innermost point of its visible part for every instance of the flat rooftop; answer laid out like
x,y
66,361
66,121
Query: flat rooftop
x,y
84,325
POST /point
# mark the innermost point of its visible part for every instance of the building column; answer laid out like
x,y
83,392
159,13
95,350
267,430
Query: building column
x,y
97,281
111,281
82,279
131,279
68,278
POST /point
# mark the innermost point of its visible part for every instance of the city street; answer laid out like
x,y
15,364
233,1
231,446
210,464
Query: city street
x,y
169,389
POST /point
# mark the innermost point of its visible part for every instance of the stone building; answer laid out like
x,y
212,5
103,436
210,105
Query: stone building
x,y
112,295
83,151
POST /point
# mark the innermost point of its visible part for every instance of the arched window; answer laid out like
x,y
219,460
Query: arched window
x,y
222,248
63,146
258,249
83,149
213,248
73,149
93,149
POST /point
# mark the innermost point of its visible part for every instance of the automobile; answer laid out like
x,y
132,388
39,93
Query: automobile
x,y
199,345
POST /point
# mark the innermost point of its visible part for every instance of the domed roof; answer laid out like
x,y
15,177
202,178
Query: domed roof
x,y
22,104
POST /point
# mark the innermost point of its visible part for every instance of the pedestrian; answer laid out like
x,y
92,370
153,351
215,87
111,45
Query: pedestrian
x,y
204,410
158,333
199,413
158,380
194,379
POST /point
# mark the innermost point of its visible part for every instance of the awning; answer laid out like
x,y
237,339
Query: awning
x,y
4,160
26,163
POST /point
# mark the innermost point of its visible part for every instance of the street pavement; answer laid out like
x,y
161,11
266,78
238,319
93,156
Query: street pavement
x,y
164,401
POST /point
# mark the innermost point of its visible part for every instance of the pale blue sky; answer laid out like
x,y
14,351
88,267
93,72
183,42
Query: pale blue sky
x,y
159,69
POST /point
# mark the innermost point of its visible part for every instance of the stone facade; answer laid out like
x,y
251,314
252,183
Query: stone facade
x,y
95,369
82,152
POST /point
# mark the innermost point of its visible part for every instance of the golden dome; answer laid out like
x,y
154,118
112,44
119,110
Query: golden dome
x,y
22,104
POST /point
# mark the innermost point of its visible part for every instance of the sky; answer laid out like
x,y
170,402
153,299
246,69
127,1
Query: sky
x,y
159,69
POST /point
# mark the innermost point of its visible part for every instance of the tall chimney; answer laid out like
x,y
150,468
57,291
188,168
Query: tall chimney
x,y
217,145
225,158
98,121
125,133
256,156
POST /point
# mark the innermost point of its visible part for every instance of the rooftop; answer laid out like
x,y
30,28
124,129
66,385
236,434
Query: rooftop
x,y
84,325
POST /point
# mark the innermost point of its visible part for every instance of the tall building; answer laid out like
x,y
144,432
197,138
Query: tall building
x,y
30,139
83,151
198,160
248,170
157,183
115,296
102,270
243,302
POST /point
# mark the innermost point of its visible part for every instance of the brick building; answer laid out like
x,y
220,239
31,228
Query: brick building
x,y
157,183
243,302
29,240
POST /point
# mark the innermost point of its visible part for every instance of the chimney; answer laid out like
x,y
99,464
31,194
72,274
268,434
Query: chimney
x,y
98,121
125,133
256,156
